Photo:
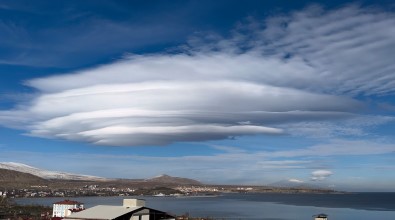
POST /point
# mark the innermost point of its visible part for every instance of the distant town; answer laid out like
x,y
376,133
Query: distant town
x,y
15,184
96,190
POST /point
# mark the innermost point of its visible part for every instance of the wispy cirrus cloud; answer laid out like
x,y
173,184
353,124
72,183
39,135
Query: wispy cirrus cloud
x,y
310,65
357,126
338,147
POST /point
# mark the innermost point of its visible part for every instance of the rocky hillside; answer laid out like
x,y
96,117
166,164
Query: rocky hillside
x,y
169,180
47,174
19,175
11,178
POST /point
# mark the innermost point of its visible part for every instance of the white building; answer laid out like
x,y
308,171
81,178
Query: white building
x,y
132,209
66,207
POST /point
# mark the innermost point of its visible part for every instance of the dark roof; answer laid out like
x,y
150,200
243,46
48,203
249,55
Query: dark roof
x,y
68,202
322,215
77,210
110,212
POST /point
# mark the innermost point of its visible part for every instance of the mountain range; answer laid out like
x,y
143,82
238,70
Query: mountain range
x,y
26,173
22,176
11,172
46,174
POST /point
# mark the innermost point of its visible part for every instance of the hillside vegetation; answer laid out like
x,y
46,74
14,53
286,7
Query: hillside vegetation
x,y
11,178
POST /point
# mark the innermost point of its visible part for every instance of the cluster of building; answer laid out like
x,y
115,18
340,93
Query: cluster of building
x,y
94,190
196,189
46,192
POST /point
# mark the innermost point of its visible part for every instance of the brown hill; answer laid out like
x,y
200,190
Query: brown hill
x,y
15,179
169,180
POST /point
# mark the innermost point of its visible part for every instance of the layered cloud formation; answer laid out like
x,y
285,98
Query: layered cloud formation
x,y
307,66
320,175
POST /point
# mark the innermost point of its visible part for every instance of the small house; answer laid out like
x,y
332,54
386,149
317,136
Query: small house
x,y
320,217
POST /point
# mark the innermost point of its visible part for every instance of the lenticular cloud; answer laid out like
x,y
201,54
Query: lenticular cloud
x,y
320,175
306,70
135,102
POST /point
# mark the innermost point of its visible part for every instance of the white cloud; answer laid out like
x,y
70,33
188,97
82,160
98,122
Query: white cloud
x,y
295,181
303,67
152,109
343,51
319,175
357,126
339,147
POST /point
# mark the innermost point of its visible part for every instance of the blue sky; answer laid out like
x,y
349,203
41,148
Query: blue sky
x,y
245,92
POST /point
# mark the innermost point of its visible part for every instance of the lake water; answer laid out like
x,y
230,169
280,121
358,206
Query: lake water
x,y
361,206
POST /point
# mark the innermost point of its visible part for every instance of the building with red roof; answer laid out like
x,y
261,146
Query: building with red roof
x,y
66,207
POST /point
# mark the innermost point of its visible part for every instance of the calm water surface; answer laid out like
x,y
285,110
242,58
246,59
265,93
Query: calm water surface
x,y
361,206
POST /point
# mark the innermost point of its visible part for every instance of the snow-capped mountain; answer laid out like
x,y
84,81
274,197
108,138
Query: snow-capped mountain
x,y
46,174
